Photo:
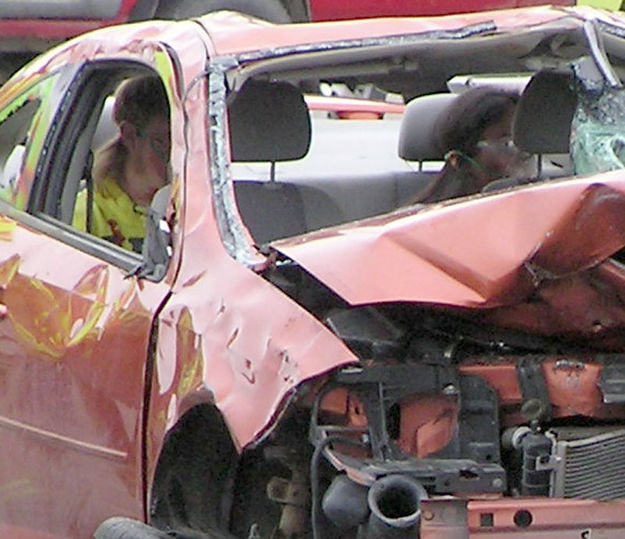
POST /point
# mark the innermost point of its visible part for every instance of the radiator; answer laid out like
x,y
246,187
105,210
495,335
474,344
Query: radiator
x,y
590,467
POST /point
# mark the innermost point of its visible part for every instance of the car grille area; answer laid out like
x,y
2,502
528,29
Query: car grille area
x,y
589,464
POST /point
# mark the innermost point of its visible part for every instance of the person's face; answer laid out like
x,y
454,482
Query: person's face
x,y
149,159
154,145
496,151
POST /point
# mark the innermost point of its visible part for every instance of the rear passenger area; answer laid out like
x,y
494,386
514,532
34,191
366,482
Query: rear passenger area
x,y
297,170
349,169
352,171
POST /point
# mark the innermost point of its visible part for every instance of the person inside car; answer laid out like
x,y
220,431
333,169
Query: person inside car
x,y
475,135
130,168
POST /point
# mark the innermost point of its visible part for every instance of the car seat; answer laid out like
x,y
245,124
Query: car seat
x,y
269,122
417,141
542,124
416,135
106,128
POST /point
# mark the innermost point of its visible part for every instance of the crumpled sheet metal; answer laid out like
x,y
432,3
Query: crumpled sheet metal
x,y
480,252
587,308
245,345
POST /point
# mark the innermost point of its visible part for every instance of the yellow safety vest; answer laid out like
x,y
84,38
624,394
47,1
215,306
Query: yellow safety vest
x,y
115,217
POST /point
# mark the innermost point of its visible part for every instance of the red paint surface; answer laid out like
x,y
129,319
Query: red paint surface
x,y
327,10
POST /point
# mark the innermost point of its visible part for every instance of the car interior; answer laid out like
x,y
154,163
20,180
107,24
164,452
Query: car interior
x,y
281,131
83,126
275,208
307,191
86,127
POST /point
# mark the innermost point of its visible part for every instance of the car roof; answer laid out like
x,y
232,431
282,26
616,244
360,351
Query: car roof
x,y
226,33
232,33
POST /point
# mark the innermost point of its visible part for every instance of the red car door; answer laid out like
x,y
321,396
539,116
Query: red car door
x,y
72,382
75,338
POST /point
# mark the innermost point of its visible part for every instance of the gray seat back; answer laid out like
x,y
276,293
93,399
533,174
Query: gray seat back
x,y
269,122
270,210
417,141
106,128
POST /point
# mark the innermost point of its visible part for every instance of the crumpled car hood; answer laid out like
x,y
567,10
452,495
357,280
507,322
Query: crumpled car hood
x,y
485,251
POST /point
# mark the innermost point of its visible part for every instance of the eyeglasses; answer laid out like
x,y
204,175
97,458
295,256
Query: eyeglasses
x,y
501,144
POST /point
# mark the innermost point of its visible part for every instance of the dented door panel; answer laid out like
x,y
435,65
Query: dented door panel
x,y
72,380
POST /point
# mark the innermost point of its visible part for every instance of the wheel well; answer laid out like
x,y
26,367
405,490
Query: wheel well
x,y
271,494
194,474
203,484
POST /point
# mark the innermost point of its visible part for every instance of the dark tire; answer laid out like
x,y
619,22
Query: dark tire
x,y
270,10
126,528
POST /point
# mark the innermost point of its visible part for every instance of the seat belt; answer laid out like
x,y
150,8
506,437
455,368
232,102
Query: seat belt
x,y
89,182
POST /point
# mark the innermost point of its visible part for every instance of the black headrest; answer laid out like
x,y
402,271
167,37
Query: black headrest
x,y
544,113
269,121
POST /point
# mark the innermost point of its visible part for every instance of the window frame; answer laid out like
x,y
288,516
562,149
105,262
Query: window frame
x,y
77,120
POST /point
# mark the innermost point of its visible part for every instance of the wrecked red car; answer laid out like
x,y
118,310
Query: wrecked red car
x,y
296,349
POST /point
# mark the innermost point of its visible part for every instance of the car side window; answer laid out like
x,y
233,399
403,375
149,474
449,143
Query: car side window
x,y
129,166
109,157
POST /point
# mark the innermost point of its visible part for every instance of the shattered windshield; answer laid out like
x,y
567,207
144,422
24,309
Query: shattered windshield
x,y
598,129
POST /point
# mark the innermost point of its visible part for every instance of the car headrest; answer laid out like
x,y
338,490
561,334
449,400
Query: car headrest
x,y
544,113
416,135
106,128
269,121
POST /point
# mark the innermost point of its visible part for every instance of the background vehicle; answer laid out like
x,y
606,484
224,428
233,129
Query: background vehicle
x,y
295,334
